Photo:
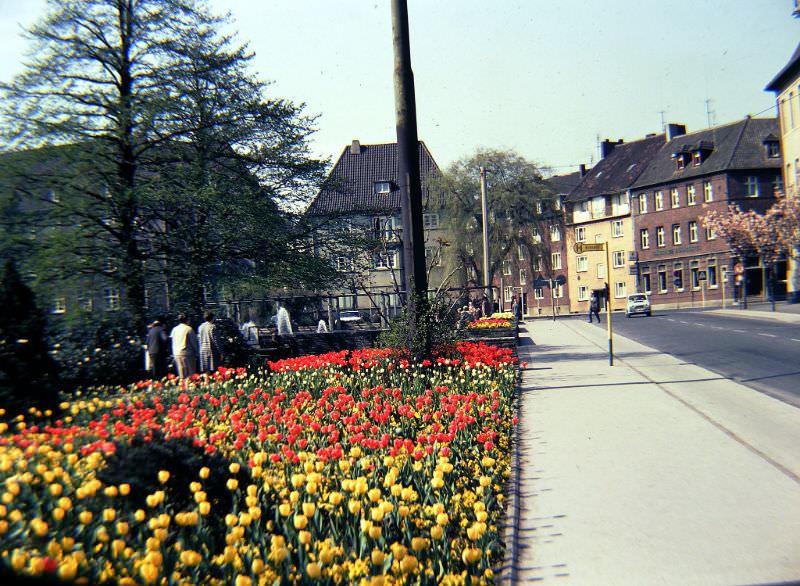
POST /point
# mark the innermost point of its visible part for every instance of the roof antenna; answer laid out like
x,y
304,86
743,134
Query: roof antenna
x,y
663,124
709,113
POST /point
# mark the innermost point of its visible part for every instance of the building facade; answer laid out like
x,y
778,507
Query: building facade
x,y
680,262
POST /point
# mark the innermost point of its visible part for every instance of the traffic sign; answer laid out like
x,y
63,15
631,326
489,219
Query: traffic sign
x,y
701,276
539,283
561,279
581,247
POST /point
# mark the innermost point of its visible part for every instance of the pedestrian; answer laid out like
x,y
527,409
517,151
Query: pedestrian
x,y
157,350
486,307
594,307
184,347
211,355
249,332
514,305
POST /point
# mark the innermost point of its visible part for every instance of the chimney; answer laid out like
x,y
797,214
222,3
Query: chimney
x,y
355,148
607,146
675,130
583,170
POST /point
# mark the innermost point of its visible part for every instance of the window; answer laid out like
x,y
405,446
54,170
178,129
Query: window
x,y
694,277
520,252
676,233
581,212
708,191
385,260
386,229
751,186
558,291
555,233
506,268
583,293
659,200
538,293
616,228
646,283
556,260
430,221
582,264
85,302
777,186
642,203
601,270
508,293
580,234
620,204
662,279
433,257
111,297
675,197
710,234
557,203
644,238
344,264
59,305
677,277
660,240
539,207
773,149
697,158
692,231
383,187
618,258
691,198
537,263
523,277
535,235
680,160
711,275
598,207
620,290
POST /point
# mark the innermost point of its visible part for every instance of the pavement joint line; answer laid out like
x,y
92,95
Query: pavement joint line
x,y
705,416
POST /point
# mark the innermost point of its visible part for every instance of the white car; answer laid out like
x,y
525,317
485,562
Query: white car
x,y
638,303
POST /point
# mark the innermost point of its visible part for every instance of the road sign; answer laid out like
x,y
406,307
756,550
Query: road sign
x,y
581,247
738,268
539,283
701,276
561,279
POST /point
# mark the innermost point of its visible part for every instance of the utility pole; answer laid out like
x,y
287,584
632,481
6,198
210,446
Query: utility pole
x,y
415,279
485,212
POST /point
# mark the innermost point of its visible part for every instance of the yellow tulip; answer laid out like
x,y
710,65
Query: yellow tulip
x,y
309,509
242,580
376,514
58,514
125,489
109,515
111,491
190,558
204,508
67,569
285,509
148,572
194,486
122,528
409,564
300,521
375,532
163,476
204,472
257,567
313,570
354,507
232,484
85,517
304,537
419,543
377,557
55,489
437,532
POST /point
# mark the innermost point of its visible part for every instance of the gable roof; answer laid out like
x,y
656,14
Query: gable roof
x,y
351,184
564,184
735,146
617,171
790,70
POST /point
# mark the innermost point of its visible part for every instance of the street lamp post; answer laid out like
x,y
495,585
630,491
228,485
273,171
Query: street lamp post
x,y
485,213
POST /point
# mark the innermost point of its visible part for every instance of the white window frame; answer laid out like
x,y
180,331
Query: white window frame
x,y
751,186
620,204
580,234
617,229
642,203
555,259
676,235
618,258
508,293
520,252
344,264
59,306
644,238
711,267
538,293
507,268
557,292
661,237
710,233
600,271
647,282
383,187
662,271
430,221
111,298
523,277
693,234
674,198
555,233
385,260
708,191
536,236
581,264
678,269
620,290
659,201
433,256
583,293
691,195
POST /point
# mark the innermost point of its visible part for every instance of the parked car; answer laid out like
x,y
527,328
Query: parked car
x,y
638,303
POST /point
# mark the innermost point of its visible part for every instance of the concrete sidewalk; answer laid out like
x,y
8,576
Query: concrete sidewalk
x,y
653,471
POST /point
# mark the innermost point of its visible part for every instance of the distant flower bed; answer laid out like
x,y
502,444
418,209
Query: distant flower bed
x,y
489,323
351,467
502,315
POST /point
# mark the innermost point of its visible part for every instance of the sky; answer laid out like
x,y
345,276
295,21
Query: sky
x,y
546,78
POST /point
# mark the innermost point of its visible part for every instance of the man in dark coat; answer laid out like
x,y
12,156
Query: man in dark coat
x,y
158,350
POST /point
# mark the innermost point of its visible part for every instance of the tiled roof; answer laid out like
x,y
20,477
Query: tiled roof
x,y
351,184
619,169
564,184
789,70
736,146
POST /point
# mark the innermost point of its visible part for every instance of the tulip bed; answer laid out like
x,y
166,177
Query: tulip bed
x,y
351,467
489,323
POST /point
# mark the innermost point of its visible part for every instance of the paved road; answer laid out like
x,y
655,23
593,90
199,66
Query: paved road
x,y
762,354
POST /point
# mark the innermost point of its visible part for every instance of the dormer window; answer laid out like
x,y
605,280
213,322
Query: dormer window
x,y
383,187
680,160
697,158
772,146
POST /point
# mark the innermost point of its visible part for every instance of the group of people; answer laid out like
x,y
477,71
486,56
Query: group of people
x,y
192,352
474,310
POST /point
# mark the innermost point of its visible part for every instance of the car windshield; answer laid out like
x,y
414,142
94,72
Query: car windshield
x,y
637,298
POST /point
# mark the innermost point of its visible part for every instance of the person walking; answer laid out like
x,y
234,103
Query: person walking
x,y
210,346
184,347
594,307
486,307
157,350
514,305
